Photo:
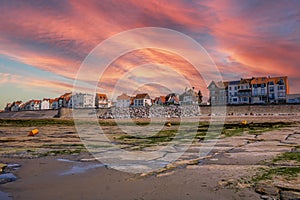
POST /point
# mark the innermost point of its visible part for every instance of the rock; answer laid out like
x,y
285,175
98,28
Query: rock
x,y
260,190
8,177
289,195
265,189
265,197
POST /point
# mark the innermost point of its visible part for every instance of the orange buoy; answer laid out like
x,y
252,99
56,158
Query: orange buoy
x,y
33,132
244,122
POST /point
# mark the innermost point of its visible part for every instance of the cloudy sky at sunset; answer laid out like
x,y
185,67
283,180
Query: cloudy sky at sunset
x,y
43,43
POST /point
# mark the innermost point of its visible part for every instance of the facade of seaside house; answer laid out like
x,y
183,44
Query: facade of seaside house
x,y
172,99
22,106
53,103
123,100
278,89
256,90
16,106
8,107
259,86
142,100
101,101
218,93
82,100
45,104
63,100
32,105
244,91
233,87
161,100
37,104
188,97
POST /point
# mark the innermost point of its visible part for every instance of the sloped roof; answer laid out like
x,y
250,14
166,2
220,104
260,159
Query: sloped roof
x,y
101,96
68,94
161,99
259,80
53,100
37,101
123,97
142,96
219,84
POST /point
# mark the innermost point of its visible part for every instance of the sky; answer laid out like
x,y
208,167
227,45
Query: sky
x,y
43,44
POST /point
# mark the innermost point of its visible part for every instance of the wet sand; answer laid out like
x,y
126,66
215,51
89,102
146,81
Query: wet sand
x,y
217,176
42,178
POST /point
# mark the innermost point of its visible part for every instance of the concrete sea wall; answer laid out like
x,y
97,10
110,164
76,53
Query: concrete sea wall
x,y
159,111
184,111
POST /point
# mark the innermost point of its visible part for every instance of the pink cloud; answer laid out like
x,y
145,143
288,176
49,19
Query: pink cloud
x,y
243,38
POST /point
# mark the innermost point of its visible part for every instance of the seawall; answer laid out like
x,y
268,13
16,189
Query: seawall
x,y
238,110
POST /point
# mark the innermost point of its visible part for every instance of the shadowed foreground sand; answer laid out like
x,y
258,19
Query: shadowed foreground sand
x,y
41,179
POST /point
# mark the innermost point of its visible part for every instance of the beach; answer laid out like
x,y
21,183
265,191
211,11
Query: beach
x,y
56,165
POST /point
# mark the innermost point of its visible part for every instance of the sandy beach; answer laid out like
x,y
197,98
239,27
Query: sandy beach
x,y
55,164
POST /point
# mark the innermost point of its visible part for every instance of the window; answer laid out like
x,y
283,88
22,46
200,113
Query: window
x,y
281,82
229,87
242,87
271,83
272,89
255,85
235,88
263,91
281,94
255,92
281,87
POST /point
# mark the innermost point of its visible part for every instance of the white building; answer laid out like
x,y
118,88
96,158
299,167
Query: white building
x,y
244,91
233,87
45,104
278,88
142,100
189,97
80,100
123,100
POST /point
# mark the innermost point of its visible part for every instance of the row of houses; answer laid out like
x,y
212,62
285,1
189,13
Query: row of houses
x,y
188,97
255,90
84,100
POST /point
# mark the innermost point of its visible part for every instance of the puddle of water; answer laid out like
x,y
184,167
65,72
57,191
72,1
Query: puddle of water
x,y
13,166
5,196
9,177
81,169
65,160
